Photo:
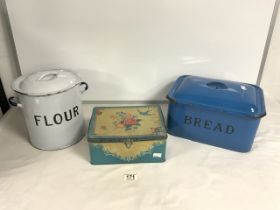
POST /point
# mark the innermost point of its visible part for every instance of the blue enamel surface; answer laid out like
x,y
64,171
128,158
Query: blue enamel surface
x,y
215,112
222,95
240,140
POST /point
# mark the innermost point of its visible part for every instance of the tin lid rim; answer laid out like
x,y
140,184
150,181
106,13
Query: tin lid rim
x,y
107,139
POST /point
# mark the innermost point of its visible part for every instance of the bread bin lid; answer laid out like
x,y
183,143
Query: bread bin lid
x,y
221,95
47,82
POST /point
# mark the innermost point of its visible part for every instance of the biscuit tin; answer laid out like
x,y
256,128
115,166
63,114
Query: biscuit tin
x,y
134,134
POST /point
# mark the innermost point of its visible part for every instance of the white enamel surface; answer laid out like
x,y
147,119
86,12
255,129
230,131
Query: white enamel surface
x,y
133,50
42,113
45,82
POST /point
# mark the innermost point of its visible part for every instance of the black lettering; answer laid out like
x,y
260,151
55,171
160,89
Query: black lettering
x,y
207,124
46,121
229,129
68,118
197,122
59,120
218,127
188,120
75,109
36,119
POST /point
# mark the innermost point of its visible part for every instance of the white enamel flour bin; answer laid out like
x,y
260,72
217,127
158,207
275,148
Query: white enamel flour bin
x,y
51,104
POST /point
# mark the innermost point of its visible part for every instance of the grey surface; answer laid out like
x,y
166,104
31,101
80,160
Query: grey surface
x,y
268,41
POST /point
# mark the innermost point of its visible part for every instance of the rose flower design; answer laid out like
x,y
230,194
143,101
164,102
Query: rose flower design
x,y
127,121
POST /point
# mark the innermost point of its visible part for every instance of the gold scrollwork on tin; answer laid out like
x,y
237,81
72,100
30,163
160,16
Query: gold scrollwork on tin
x,y
128,153
128,143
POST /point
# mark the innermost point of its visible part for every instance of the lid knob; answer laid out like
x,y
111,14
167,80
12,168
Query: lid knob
x,y
48,77
216,85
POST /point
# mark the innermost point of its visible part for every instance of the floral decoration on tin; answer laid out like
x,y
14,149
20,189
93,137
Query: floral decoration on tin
x,y
126,120
156,130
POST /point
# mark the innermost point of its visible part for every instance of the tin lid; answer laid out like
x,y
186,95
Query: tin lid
x,y
47,82
221,95
121,124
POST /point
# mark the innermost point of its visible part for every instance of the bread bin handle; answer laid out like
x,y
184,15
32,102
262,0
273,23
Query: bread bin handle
x,y
216,85
170,95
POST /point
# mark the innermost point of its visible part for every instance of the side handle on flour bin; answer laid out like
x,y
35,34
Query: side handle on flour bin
x,y
84,88
14,101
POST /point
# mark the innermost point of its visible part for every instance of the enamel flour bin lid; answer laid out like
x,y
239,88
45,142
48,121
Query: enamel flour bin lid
x,y
51,104
45,82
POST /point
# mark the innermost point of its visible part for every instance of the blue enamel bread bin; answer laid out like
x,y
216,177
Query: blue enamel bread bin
x,y
217,112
